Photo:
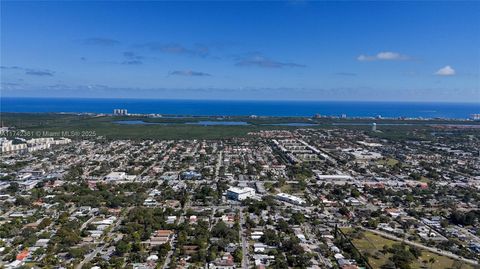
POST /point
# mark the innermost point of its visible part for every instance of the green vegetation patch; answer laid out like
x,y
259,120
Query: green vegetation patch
x,y
91,126
379,252
389,162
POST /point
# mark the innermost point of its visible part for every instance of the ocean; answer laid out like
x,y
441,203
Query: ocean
x,y
241,108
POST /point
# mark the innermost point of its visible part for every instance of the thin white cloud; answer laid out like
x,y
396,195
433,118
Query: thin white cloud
x,y
31,71
189,73
383,56
445,71
259,60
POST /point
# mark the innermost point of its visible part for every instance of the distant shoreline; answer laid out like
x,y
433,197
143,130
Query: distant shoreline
x,y
245,121
224,108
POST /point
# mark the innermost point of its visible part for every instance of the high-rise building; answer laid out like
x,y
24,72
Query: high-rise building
x,y
120,112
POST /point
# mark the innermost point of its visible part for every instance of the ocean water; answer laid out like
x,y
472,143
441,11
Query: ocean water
x,y
241,108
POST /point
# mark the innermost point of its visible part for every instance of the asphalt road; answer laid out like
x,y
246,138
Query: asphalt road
x,y
98,249
244,241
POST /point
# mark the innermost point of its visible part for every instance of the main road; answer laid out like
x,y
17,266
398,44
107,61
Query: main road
x,y
244,240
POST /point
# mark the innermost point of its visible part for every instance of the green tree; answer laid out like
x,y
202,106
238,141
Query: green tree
x,y
123,247
238,255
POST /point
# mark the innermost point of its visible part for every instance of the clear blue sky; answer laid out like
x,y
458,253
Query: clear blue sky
x,y
296,50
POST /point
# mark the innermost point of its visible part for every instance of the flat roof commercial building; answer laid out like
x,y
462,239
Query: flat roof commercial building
x,y
240,194
285,197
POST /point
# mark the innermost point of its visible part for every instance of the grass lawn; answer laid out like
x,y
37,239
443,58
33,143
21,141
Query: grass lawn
x,y
424,179
373,244
389,162
286,188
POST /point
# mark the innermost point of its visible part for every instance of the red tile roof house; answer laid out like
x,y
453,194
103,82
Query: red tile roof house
x,y
22,255
160,237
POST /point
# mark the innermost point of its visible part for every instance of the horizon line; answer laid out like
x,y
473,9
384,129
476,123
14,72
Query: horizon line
x,y
244,100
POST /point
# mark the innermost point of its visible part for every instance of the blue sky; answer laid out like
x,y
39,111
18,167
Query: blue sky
x,y
295,50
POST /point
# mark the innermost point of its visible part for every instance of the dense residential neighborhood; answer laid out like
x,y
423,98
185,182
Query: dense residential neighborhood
x,y
240,134
299,198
